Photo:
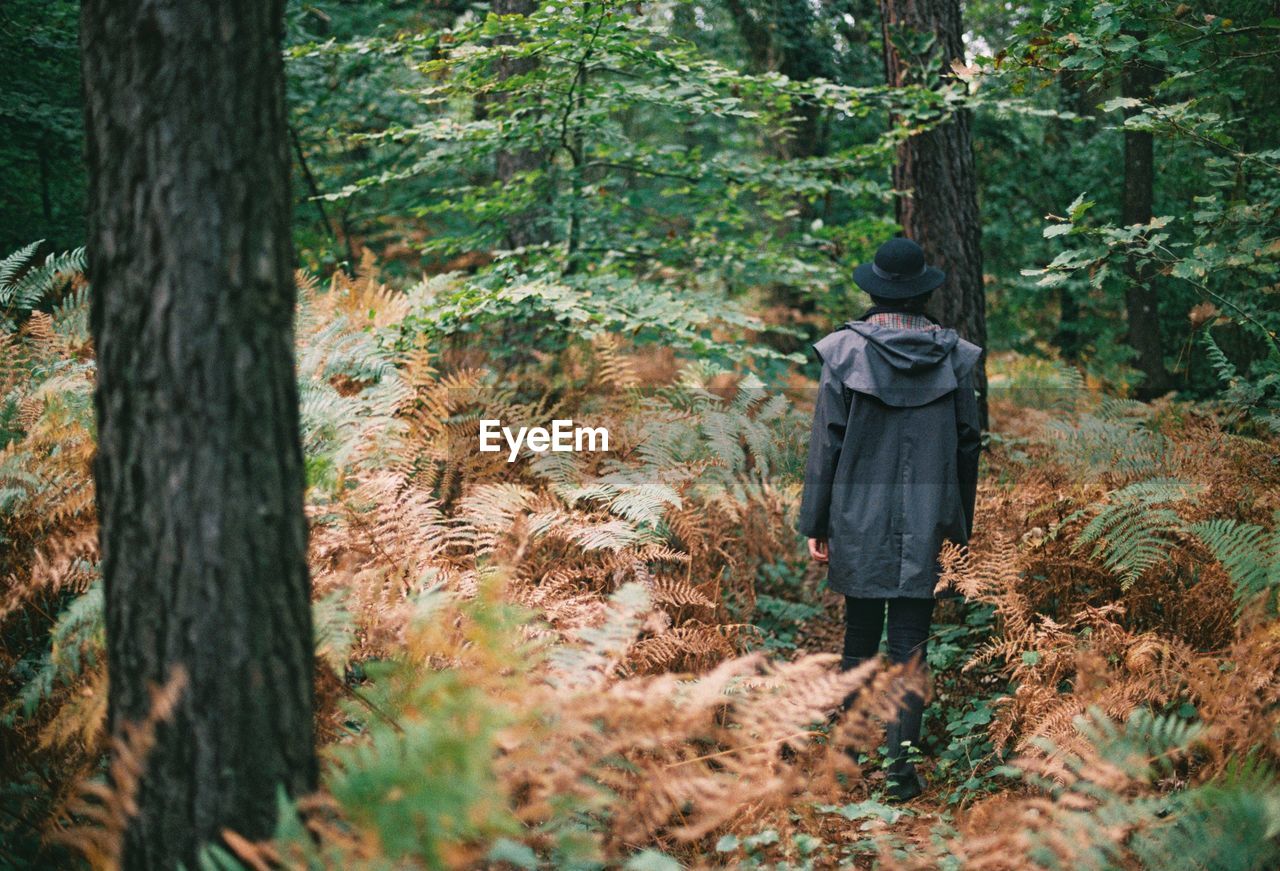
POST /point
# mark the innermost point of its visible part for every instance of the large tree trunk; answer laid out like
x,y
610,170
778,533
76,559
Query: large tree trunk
x,y
940,207
1141,299
199,470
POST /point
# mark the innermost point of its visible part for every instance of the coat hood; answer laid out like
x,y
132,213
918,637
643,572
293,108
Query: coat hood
x,y
902,368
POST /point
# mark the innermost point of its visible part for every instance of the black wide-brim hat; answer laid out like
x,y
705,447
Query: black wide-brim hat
x,y
898,271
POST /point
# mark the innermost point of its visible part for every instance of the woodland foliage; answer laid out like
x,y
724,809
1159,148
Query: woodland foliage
x,y
574,659
638,216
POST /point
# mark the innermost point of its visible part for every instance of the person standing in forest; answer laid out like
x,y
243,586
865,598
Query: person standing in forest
x,y
892,471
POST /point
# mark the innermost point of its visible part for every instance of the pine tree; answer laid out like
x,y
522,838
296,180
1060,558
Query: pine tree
x,y
199,473
939,207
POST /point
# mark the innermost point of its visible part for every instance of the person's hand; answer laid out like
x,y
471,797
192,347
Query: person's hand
x,y
818,549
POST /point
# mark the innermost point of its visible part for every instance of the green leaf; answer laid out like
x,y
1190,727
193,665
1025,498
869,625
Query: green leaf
x,y
1192,270
513,853
762,839
727,844
1120,103
652,860
1052,279
1078,207
863,810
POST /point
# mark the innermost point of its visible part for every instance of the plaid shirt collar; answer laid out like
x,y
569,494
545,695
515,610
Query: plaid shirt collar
x,y
900,320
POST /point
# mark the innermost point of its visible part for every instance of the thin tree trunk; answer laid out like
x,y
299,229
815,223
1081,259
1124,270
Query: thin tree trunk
x,y
940,207
1067,336
780,38
1141,299
1078,96
199,470
529,228
46,200
314,189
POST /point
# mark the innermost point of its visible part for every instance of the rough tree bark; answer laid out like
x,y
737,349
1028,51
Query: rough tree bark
x,y
199,470
1141,298
940,207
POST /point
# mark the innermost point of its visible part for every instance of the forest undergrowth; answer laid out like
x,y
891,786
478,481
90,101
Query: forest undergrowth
x,y
623,659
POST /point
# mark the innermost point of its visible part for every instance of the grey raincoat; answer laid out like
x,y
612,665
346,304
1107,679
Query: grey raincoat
x,y
893,456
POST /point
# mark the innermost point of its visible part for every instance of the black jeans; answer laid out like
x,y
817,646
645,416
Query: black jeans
x,y
908,639
864,622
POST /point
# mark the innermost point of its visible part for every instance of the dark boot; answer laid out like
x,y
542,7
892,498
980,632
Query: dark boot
x,y
904,782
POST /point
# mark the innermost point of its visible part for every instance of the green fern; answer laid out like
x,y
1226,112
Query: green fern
x,y
71,317
563,471
1145,746
1227,824
1063,391
24,284
1222,367
335,630
1256,393
639,497
1110,442
76,643
1134,531
17,483
1249,553
1230,824
344,430
10,266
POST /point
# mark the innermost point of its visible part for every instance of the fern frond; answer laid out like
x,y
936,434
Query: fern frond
x,y
602,647
24,285
1130,533
11,265
1110,442
613,368
334,631
1250,554
1222,366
